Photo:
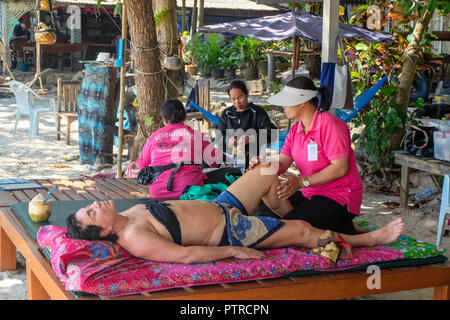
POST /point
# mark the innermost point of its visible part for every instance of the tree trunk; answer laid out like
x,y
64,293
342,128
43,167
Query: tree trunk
x,y
147,71
313,62
194,18
201,6
167,33
183,16
408,73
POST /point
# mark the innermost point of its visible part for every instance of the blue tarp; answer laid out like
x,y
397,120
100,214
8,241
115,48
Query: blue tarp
x,y
286,25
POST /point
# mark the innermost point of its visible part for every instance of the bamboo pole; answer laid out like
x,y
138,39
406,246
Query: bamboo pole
x,y
296,48
123,71
38,51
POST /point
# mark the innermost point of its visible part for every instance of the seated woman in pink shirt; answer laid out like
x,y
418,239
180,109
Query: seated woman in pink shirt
x,y
319,143
175,154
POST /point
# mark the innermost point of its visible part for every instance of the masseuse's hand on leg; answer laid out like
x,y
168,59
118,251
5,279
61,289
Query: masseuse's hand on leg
x,y
289,186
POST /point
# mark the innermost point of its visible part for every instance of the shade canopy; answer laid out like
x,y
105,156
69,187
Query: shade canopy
x,y
294,23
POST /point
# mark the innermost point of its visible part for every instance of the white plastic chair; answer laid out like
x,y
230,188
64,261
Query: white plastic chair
x,y
31,104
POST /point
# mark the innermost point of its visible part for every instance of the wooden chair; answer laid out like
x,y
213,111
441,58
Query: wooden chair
x,y
197,118
67,97
29,54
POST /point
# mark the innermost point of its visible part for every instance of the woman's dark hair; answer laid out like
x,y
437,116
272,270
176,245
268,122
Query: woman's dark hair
x,y
173,111
238,84
91,232
307,84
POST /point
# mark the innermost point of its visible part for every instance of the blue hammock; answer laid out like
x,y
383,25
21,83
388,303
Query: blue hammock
x,y
360,102
345,115
207,114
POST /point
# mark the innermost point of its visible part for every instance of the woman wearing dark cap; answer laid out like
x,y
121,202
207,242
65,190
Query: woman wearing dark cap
x,y
244,115
319,143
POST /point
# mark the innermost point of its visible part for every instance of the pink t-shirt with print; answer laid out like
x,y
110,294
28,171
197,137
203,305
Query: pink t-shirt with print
x,y
333,140
172,144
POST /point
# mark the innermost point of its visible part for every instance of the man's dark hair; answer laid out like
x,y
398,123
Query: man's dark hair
x,y
91,232
173,111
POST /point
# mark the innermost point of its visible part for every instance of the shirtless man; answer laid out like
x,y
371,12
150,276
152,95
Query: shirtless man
x,y
194,231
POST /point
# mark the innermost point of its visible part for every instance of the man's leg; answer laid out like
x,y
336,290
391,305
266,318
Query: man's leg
x,y
301,233
256,185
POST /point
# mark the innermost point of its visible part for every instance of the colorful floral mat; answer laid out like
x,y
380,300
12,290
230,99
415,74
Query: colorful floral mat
x,y
106,269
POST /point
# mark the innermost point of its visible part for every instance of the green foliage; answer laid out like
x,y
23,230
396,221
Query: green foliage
x,y
210,57
193,49
251,50
379,121
159,15
232,57
370,62
206,54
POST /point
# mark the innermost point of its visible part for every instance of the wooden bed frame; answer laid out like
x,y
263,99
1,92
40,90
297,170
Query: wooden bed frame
x,y
44,284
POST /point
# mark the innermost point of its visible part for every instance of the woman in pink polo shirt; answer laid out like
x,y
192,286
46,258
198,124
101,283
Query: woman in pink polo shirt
x,y
319,143
175,154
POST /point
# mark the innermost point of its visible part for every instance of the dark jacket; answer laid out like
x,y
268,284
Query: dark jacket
x,y
254,117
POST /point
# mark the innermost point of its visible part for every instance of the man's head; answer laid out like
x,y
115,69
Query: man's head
x,y
94,222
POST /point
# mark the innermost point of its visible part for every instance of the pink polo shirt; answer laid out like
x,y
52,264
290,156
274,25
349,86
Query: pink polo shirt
x,y
333,140
172,144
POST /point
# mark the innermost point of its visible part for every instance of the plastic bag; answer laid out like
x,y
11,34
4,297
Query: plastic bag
x,y
419,141
129,173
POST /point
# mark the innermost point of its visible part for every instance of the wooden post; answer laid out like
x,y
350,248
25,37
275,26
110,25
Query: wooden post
x,y
7,252
404,187
2,57
295,40
330,27
35,289
123,72
38,52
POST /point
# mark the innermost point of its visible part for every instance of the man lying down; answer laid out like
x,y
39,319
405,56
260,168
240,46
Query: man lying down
x,y
194,231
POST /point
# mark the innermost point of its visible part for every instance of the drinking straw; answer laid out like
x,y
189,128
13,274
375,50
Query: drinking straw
x,y
48,195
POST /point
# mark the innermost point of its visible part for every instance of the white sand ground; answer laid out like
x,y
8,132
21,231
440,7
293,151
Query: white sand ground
x,y
44,158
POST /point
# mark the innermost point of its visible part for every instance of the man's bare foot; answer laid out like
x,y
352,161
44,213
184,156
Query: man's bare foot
x,y
389,233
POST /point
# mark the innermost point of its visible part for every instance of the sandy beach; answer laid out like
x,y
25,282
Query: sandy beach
x,y
44,157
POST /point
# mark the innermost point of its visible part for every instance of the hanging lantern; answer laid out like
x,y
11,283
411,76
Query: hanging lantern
x,y
44,34
45,5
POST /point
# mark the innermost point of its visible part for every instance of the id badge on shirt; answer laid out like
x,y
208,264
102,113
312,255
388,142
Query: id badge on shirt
x,y
312,151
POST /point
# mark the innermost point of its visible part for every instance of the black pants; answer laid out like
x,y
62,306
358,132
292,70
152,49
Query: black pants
x,y
321,212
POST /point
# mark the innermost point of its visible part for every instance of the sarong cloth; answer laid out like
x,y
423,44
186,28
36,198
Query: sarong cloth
x,y
94,106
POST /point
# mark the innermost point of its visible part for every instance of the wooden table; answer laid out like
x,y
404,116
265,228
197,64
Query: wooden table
x,y
407,161
44,284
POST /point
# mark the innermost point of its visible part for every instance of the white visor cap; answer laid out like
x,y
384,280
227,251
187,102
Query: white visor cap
x,y
290,96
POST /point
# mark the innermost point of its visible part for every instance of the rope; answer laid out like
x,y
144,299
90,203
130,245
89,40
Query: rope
x,y
147,73
142,48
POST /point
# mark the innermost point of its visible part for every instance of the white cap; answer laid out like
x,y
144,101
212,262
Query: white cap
x,y
290,96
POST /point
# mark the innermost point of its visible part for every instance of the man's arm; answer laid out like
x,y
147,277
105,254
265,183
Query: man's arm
x,y
148,245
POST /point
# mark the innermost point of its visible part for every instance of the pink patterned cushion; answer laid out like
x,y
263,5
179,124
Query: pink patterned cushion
x,y
100,268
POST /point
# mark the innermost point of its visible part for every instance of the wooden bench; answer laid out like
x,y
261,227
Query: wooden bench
x,y
407,161
44,284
